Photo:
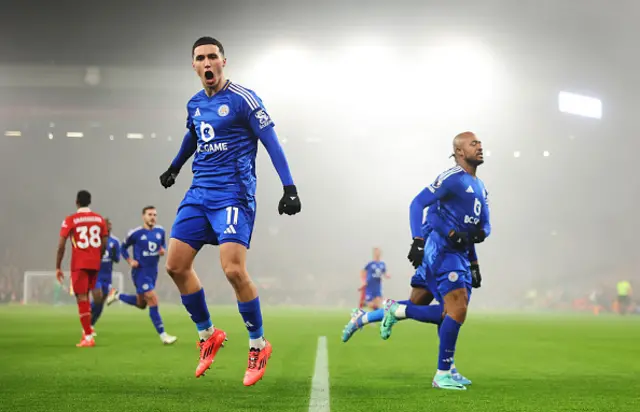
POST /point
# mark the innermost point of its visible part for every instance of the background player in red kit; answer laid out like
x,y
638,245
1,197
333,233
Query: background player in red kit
x,y
88,232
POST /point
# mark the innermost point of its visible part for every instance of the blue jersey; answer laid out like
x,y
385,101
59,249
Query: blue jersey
x,y
146,247
459,200
375,271
111,255
227,126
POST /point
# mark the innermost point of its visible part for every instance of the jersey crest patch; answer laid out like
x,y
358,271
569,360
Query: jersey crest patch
x,y
223,110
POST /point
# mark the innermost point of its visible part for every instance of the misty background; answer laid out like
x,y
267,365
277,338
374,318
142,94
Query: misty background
x,y
366,97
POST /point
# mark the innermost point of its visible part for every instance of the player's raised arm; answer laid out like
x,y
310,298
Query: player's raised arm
x,y
187,149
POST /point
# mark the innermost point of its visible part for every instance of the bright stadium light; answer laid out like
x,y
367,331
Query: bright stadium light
x,y
13,133
75,134
516,154
456,74
546,153
580,105
135,136
50,136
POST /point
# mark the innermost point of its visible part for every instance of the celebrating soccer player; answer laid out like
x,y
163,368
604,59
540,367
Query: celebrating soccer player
x,y
462,205
103,285
148,242
88,232
225,121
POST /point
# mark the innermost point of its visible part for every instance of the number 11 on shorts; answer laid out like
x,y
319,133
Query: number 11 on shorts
x,y
232,214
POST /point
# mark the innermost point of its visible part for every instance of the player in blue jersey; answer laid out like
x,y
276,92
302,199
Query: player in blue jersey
x,y
148,243
461,201
418,306
371,276
103,284
225,122
422,293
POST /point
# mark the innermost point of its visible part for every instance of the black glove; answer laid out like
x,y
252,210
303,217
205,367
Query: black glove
x,y
479,237
290,202
459,239
476,277
416,253
168,178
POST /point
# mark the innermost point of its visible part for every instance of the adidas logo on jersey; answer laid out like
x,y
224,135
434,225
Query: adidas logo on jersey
x,y
143,237
470,190
197,113
230,230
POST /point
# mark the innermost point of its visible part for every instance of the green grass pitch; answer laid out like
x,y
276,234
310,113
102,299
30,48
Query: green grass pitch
x,y
516,362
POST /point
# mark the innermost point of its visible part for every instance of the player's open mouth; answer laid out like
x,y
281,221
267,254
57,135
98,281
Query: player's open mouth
x,y
208,75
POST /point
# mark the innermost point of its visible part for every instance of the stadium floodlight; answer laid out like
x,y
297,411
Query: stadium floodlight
x,y
75,134
516,154
135,136
546,153
13,133
50,136
580,105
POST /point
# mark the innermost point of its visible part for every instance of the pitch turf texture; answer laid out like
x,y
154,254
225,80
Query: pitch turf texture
x,y
517,363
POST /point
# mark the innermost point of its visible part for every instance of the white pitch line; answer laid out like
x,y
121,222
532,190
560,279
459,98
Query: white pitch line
x,y
319,401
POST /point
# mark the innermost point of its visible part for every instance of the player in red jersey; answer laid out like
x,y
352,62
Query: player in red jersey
x,y
88,232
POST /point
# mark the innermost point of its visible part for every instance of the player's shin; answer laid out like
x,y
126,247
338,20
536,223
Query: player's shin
x,y
156,319
128,299
84,311
252,317
96,311
370,317
448,337
196,305
426,314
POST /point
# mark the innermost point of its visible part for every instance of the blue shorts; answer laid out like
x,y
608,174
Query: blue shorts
x,y
103,284
197,225
144,280
446,269
422,280
372,294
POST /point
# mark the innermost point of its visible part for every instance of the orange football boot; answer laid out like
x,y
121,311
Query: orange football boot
x,y
208,350
86,342
257,364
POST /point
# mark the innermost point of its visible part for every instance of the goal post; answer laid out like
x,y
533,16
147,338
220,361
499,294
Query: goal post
x,y
42,287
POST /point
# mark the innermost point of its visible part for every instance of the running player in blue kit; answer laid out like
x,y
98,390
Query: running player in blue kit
x,y
148,243
225,122
461,203
371,276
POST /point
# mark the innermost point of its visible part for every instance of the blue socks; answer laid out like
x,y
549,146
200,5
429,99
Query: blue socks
x,y
128,299
154,314
252,317
96,311
427,314
371,317
196,305
448,336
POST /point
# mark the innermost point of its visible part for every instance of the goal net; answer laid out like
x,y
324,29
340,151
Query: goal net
x,y
42,288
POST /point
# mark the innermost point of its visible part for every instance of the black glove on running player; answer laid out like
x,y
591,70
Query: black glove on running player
x,y
290,202
416,253
459,239
168,178
476,277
